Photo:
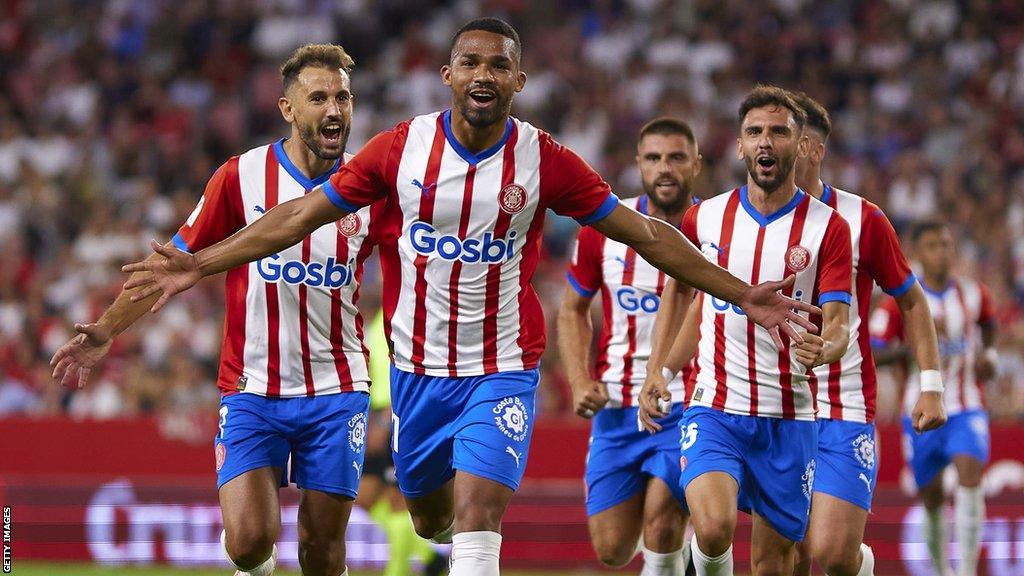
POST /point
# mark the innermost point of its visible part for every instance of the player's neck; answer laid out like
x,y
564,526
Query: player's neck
x,y
304,159
473,138
769,202
815,187
936,282
671,216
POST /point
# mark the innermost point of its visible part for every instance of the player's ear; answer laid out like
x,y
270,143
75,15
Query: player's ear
x,y
446,74
820,149
739,148
698,164
285,106
804,144
520,81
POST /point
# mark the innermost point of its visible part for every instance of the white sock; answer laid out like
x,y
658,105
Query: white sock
x,y
867,564
667,564
345,573
935,538
706,566
475,554
969,508
264,569
444,536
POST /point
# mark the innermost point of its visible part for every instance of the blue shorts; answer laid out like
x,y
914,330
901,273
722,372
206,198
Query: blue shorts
x,y
477,424
324,435
929,453
621,458
846,465
771,459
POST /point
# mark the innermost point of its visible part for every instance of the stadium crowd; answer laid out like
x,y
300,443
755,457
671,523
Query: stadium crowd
x,y
114,114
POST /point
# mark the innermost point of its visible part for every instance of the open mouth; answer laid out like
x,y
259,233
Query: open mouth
x,y
331,132
483,97
766,162
665,184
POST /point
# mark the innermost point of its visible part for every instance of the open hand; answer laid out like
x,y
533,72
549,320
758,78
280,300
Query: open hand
x,y
73,362
777,313
176,272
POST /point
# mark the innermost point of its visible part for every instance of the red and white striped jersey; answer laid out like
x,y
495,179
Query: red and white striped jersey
x,y
463,239
630,296
847,388
958,310
739,370
291,326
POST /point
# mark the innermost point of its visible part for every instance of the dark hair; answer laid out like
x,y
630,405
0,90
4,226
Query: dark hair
x,y
493,25
765,95
329,56
817,115
666,126
925,226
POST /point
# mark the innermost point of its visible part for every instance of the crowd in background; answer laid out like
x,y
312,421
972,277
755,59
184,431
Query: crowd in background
x,y
114,114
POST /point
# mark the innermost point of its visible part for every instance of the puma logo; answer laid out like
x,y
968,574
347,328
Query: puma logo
x,y
512,453
356,466
426,189
867,482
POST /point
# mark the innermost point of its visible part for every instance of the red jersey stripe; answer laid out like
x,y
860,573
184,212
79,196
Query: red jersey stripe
x,y
273,305
755,273
453,281
307,368
492,290
627,359
796,232
728,221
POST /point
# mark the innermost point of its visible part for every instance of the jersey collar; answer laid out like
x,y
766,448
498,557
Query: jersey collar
x,y
826,196
763,220
466,155
294,172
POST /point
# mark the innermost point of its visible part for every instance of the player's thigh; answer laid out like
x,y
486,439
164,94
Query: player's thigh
x,y
712,451
836,530
712,500
479,502
371,489
251,434
780,473
423,411
968,446
251,510
323,517
434,511
328,441
969,470
925,453
614,531
664,517
846,466
771,553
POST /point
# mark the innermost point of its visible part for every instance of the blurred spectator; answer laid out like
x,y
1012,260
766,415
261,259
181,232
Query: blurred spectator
x,y
112,119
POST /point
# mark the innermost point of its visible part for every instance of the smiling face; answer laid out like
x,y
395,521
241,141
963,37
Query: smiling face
x,y
669,164
769,142
484,75
319,105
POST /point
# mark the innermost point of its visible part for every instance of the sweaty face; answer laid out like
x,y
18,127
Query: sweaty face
x,y
668,164
769,144
321,107
936,252
483,75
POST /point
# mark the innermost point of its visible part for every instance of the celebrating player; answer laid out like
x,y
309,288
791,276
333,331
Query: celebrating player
x,y
293,373
962,311
846,465
466,192
632,477
749,423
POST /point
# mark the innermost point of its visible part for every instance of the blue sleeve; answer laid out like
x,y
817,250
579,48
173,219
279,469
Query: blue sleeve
x,y
180,244
602,211
579,287
337,200
836,296
902,288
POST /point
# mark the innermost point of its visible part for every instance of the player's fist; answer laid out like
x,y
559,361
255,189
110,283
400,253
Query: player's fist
x,y
655,401
73,362
929,412
589,397
809,352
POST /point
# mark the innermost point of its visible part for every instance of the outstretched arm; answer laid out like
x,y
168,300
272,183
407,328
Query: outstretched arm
x,y
73,362
284,225
667,249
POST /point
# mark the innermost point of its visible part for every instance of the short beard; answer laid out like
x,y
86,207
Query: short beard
x,y
482,119
678,205
309,138
785,166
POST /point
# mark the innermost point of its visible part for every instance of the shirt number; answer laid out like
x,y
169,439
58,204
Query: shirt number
x,y
690,436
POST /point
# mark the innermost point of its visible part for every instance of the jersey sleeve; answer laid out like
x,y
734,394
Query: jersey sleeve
x,y
218,214
689,225
884,259
987,310
365,178
570,187
835,268
886,323
585,268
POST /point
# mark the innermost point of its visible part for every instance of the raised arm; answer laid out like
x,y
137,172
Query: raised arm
x,y
667,249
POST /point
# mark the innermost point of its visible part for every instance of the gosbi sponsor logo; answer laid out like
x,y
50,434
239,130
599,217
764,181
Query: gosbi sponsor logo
x,y
488,250
631,300
329,274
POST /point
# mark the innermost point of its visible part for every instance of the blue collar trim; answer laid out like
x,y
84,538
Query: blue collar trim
x,y
466,155
826,196
641,206
294,172
763,220
939,293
